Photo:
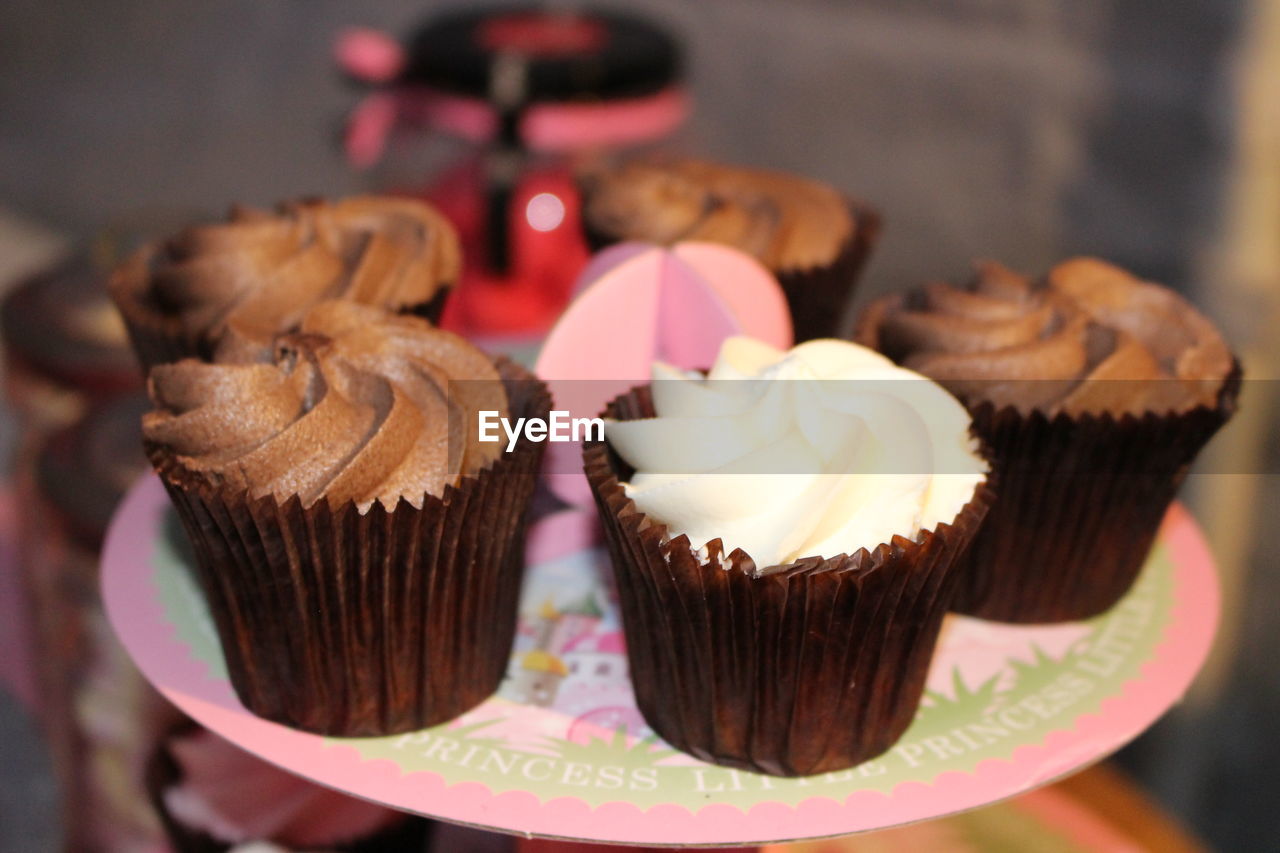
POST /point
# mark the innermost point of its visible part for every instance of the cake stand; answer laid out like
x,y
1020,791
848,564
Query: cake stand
x,y
561,751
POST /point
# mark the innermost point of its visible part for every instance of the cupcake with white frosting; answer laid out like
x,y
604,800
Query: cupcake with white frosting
x,y
783,530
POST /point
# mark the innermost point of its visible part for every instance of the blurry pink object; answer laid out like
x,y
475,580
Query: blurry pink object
x,y
368,128
234,796
375,57
679,305
368,54
543,127
559,534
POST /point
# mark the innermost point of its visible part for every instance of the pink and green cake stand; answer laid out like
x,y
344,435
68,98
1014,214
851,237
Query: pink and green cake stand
x,y
561,751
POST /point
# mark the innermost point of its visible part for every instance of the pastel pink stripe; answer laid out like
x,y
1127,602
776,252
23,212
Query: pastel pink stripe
x,y
368,54
544,127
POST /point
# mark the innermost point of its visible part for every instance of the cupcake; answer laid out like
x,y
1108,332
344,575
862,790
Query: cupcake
x,y
814,240
229,288
785,547
1095,391
360,549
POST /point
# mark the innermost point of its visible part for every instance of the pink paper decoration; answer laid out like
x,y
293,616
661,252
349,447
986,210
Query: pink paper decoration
x,y
232,794
637,304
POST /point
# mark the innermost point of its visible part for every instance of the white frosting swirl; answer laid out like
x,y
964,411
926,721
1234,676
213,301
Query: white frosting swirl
x,y
792,469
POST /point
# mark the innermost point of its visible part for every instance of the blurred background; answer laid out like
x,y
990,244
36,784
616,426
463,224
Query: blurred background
x,y
1144,132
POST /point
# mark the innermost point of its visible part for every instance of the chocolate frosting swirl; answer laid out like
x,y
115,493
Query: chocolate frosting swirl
x,y
1086,326
235,285
357,405
784,221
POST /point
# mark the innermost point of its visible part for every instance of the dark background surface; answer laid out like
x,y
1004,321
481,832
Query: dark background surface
x,y
1006,128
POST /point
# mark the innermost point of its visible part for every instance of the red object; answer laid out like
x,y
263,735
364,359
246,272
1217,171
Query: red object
x,y
572,83
541,34
547,251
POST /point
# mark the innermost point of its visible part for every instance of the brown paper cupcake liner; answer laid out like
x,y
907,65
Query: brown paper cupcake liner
x,y
816,297
156,338
351,624
161,339
811,667
1080,502
164,773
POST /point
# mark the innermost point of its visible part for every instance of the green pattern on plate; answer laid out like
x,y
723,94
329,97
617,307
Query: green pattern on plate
x,y
511,747
182,599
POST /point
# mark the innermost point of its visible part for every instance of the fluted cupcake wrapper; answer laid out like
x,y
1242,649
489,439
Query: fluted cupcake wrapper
x,y
1080,502
155,338
811,667
817,297
350,624
161,339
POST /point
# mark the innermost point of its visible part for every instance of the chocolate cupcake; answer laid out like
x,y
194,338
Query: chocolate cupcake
x,y
1095,391
231,287
805,233
785,549
360,549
